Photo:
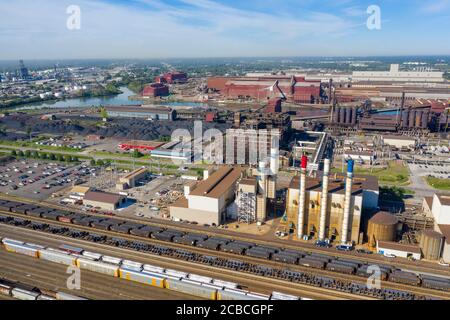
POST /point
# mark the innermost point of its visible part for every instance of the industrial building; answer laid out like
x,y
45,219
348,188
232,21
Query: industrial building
x,y
175,150
395,75
172,77
292,89
209,199
140,145
330,207
104,200
362,157
400,141
151,113
399,250
381,227
131,179
440,210
155,90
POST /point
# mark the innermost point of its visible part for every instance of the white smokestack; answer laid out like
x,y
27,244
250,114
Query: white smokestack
x,y
262,178
324,203
347,201
302,200
274,161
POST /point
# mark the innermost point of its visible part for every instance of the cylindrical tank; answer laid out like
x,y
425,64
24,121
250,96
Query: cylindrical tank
x,y
419,119
354,113
348,116
405,118
412,119
342,115
431,244
382,227
338,114
425,117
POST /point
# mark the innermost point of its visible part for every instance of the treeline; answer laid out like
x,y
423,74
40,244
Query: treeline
x,y
44,156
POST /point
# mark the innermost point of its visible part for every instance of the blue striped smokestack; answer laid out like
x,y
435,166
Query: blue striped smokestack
x,y
350,165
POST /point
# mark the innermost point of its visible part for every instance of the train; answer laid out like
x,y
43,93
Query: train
x,y
239,248
22,291
187,283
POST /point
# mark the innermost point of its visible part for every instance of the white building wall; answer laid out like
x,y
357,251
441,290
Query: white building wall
x,y
203,203
398,253
441,213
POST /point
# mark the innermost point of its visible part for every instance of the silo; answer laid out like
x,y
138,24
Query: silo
x,y
419,115
412,119
342,115
354,114
382,227
425,117
405,118
348,116
335,114
338,115
431,244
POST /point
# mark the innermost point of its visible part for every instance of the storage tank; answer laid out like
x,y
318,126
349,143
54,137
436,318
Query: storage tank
x,y
419,119
342,115
354,114
382,227
405,118
348,116
338,114
412,119
431,244
425,117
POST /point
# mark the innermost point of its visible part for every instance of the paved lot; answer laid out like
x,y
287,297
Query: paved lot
x,y
418,174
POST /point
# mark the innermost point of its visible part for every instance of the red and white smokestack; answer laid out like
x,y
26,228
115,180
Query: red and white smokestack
x,y
324,200
347,201
302,200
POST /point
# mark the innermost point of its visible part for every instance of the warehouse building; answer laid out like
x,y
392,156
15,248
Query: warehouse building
x,y
361,157
104,200
131,179
150,113
399,250
395,75
155,90
335,216
400,141
140,145
209,199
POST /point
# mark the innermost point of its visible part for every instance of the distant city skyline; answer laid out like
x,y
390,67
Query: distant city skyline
x,y
147,29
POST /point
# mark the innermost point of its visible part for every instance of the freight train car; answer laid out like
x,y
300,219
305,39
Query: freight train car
x,y
152,279
98,267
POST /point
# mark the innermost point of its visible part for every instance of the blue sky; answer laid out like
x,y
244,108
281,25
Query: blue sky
x,y
218,28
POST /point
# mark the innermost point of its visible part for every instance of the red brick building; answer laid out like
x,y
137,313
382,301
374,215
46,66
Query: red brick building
x,y
155,90
293,89
172,77
274,106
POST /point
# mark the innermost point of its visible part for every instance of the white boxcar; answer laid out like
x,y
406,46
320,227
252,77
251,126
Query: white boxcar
x,y
176,273
4,240
22,294
226,284
153,279
232,294
35,246
92,255
150,268
112,260
65,296
282,296
44,297
257,296
57,257
21,248
99,267
199,278
132,265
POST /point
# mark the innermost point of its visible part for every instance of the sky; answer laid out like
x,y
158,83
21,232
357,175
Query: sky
x,y
37,29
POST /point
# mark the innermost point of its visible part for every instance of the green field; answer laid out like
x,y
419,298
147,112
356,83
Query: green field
x,y
393,174
439,184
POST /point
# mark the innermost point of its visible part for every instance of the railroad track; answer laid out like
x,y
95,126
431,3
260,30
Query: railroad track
x,y
205,252
262,284
238,237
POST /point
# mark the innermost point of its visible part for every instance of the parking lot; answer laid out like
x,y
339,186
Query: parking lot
x,y
38,180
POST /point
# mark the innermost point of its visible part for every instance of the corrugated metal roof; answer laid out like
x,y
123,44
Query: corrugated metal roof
x,y
105,197
218,182
399,247
384,218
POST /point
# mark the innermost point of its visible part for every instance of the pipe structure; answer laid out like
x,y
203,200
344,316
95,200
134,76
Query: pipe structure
x,y
324,200
302,200
347,201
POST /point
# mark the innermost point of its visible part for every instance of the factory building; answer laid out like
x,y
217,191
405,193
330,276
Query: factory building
x,y
440,210
140,145
209,199
395,75
104,200
293,89
157,113
361,157
330,207
155,90
172,77
131,179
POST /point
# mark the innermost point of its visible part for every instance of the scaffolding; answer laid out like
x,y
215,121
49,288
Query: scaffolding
x,y
246,202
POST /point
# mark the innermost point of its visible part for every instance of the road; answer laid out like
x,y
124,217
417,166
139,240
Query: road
x,y
251,282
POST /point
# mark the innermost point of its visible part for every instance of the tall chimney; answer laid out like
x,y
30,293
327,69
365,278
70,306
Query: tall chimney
x,y
302,200
347,200
324,202
274,161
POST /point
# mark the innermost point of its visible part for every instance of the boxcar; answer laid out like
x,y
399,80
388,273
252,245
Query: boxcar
x,y
192,287
57,257
405,278
23,294
282,296
317,264
152,279
340,268
99,267
21,249
232,294
65,296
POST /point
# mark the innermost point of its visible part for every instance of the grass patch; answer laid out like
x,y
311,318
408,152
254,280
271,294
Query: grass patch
x,y
394,173
439,184
27,144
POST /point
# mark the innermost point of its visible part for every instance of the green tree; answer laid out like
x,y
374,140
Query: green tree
x,y
34,154
92,162
60,157
14,153
52,157
27,153
20,153
137,154
43,156
103,113
100,163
